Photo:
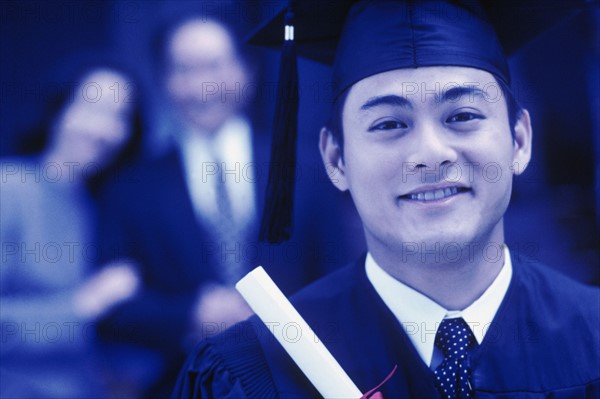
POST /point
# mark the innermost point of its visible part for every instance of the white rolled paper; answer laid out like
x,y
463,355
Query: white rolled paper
x,y
296,336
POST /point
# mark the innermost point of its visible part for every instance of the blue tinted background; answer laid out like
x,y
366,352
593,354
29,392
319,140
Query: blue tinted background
x,y
554,213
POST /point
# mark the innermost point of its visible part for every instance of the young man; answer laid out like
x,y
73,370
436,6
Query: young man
x,y
426,137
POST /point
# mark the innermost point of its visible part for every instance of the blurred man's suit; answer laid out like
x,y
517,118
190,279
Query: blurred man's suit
x,y
149,218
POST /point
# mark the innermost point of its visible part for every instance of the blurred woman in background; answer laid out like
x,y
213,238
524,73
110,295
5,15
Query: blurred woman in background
x,y
50,297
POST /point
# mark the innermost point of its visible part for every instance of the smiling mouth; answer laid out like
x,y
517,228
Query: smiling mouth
x,y
435,195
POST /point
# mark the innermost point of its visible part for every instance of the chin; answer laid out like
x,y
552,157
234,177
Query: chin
x,y
208,124
439,245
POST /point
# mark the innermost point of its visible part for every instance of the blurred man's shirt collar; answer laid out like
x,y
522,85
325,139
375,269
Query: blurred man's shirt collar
x,y
228,151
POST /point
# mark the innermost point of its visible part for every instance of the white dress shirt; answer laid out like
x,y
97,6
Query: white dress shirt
x,y
204,156
420,316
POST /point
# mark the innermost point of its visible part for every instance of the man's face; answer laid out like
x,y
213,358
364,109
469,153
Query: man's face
x,y
428,157
205,77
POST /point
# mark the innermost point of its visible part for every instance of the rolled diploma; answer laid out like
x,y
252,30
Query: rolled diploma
x,y
305,348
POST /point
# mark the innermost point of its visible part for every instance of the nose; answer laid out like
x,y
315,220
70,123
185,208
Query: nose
x,y
432,147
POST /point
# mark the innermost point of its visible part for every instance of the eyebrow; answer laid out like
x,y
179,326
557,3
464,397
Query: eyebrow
x,y
456,93
394,100
451,95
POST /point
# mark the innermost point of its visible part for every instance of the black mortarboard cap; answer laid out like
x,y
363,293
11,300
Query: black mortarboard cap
x,y
363,38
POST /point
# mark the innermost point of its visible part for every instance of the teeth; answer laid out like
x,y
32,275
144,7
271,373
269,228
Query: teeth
x,y
434,194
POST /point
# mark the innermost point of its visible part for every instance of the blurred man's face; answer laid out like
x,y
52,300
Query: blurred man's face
x,y
429,157
205,77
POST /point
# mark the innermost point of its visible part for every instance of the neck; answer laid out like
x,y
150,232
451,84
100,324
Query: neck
x,y
208,132
63,171
454,279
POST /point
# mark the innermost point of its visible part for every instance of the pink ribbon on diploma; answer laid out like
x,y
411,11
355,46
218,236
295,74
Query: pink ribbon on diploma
x,y
371,394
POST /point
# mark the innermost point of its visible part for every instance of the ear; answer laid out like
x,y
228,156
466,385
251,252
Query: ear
x,y
331,153
244,73
522,143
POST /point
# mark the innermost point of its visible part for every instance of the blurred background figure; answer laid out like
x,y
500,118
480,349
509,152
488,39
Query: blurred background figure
x,y
186,217
49,293
189,217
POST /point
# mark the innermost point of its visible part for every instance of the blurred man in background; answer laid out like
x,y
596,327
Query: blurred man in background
x,y
185,218
189,219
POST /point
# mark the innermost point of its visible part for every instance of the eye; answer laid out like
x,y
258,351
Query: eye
x,y
388,125
464,117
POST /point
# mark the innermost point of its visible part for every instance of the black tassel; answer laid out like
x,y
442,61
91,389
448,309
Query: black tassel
x,y
276,223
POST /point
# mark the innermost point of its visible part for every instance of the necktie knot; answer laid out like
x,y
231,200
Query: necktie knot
x,y
454,338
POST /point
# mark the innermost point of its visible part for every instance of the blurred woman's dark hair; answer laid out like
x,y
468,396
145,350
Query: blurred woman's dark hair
x,y
70,75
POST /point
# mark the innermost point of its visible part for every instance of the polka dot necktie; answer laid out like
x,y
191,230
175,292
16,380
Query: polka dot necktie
x,y
454,338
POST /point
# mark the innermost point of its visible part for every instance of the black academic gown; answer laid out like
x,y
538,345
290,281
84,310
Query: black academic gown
x,y
544,342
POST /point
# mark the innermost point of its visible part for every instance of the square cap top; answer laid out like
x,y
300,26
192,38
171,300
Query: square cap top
x,y
362,38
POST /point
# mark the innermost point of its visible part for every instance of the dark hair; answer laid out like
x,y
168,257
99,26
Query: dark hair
x,y
37,138
336,127
512,106
132,150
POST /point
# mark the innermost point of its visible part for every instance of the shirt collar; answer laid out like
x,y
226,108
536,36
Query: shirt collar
x,y
230,147
231,143
422,317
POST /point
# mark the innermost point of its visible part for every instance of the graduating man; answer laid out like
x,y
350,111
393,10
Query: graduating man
x,y
426,136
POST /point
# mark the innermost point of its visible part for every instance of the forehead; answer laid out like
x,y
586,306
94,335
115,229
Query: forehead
x,y
426,84
103,77
199,39
105,89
